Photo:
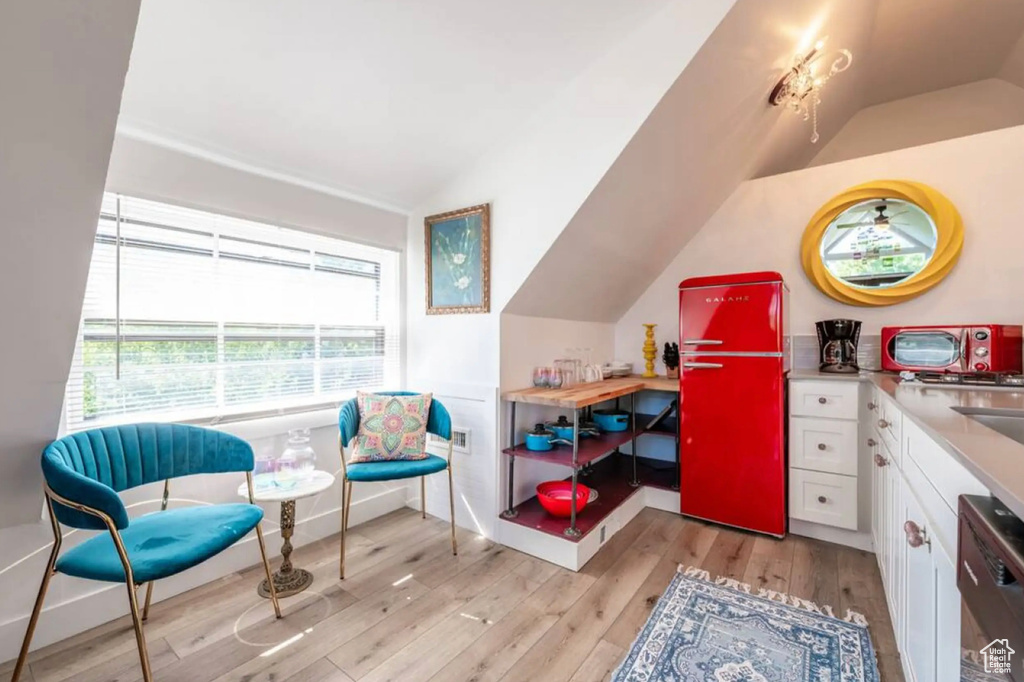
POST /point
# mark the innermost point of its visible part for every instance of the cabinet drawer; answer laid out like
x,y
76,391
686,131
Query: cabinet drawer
x,y
829,499
888,424
825,445
830,399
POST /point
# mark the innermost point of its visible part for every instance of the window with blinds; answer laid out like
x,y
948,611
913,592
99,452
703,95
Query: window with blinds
x,y
192,316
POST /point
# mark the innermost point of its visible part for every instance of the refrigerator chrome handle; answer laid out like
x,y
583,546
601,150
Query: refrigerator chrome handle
x,y
702,365
702,342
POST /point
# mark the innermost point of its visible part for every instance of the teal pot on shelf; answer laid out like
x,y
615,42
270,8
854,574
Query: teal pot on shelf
x,y
539,440
562,428
612,420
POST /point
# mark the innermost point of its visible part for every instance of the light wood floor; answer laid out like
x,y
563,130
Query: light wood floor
x,y
409,611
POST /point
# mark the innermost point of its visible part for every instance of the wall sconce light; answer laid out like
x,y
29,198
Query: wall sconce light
x,y
800,88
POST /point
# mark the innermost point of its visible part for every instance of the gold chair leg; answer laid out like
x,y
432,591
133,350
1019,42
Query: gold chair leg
x,y
149,599
23,656
266,569
140,636
451,503
423,496
346,505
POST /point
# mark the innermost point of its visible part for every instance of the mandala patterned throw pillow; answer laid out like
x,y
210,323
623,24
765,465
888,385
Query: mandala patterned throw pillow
x,y
391,427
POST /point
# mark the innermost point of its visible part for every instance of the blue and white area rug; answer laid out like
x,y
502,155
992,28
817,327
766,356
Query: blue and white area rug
x,y
705,630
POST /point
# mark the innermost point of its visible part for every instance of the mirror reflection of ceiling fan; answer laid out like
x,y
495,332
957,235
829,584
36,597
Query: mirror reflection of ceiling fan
x,y
880,221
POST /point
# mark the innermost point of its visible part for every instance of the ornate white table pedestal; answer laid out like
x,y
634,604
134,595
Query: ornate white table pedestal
x,y
288,580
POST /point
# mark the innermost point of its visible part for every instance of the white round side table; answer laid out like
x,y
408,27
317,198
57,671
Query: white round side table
x,y
288,580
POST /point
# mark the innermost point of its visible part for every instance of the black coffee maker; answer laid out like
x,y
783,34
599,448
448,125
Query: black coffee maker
x,y
837,343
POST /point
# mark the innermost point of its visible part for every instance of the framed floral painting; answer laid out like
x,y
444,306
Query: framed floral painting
x,y
458,247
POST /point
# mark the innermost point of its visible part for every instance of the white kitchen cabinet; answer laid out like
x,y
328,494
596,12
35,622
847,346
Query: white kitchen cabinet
x,y
824,452
897,567
947,626
917,482
828,445
818,497
921,597
827,399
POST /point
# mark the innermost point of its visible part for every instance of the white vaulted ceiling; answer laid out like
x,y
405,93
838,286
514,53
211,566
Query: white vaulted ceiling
x,y
382,99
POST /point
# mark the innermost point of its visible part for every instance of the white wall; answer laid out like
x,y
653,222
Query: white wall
x,y
760,226
62,66
151,171
932,117
142,169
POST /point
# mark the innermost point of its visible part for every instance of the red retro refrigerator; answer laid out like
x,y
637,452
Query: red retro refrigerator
x,y
734,356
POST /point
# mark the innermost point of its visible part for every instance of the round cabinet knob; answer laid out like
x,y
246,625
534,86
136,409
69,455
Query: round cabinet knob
x,y
872,406
822,400
981,352
915,535
883,424
822,499
880,461
822,447
871,442
981,335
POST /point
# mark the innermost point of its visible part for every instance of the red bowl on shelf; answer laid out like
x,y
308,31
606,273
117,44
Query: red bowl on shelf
x,y
556,497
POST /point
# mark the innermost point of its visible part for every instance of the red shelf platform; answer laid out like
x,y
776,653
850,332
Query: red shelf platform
x,y
590,449
610,478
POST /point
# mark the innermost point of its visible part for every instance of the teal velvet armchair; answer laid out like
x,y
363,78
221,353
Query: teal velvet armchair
x,y
439,423
83,474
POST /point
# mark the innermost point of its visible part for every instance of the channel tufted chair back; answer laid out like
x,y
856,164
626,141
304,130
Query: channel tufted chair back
x,y
92,466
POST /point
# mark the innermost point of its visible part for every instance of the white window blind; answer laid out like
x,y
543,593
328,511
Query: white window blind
x,y
192,316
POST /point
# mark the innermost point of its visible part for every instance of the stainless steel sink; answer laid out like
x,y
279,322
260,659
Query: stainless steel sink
x,y
1010,423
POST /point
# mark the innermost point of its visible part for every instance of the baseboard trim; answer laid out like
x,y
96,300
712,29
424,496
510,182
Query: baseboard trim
x,y
108,602
839,536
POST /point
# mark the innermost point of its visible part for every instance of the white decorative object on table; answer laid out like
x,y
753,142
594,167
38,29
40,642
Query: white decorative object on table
x,y
268,487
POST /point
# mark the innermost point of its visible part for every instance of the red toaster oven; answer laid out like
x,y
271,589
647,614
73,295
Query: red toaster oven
x,y
961,349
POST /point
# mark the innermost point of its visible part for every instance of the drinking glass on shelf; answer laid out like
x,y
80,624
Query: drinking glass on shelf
x,y
540,377
554,377
566,367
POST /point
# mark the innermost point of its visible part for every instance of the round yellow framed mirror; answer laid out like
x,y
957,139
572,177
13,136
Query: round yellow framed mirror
x,y
882,242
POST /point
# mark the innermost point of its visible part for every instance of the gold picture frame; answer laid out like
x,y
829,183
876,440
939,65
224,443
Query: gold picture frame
x,y
458,261
949,243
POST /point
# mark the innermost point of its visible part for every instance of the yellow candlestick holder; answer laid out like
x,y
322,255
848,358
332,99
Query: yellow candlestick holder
x,y
650,351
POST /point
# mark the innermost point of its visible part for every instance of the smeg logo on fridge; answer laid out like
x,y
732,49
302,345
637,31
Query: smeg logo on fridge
x,y
726,299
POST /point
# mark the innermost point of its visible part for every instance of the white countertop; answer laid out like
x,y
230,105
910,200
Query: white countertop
x,y
994,459
816,375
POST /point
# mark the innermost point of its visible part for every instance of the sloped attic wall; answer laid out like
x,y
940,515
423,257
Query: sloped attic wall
x,y
962,110
760,226
712,130
63,67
